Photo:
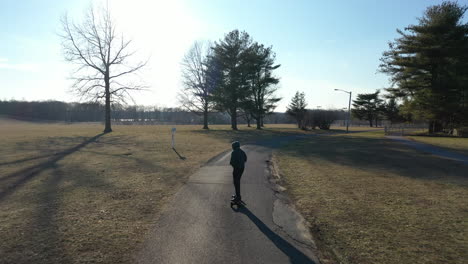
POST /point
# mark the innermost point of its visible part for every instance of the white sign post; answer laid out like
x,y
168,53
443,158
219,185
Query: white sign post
x,y
173,137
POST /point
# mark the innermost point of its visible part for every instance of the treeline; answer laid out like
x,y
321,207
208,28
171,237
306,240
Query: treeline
x,y
57,111
52,111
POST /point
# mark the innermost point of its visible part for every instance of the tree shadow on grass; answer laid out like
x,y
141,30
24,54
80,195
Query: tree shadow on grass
x,y
143,163
57,219
295,255
23,176
380,155
373,153
25,160
48,147
63,223
249,136
45,235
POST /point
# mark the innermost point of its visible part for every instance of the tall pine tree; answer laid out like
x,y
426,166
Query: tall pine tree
x,y
428,65
230,55
260,67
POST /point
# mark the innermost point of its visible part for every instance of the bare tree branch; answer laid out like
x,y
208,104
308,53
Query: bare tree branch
x,y
196,66
132,70
101,56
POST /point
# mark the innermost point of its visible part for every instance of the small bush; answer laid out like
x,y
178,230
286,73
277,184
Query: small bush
x,y
321,118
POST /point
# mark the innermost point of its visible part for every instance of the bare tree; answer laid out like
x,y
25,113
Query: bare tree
x,y
198,80
102,57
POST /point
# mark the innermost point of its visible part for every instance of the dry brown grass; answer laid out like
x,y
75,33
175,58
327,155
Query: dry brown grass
x,y
69,194
371,200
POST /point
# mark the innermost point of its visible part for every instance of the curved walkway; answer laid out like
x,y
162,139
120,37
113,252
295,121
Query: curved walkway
x,y
437,151
198,226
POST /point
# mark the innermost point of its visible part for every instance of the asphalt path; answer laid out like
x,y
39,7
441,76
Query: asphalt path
x,y
199,226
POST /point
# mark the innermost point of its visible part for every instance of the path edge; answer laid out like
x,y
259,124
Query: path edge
x,y
300,230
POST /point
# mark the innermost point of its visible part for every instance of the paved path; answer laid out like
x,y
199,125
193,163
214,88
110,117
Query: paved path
x,y
199,226
439,152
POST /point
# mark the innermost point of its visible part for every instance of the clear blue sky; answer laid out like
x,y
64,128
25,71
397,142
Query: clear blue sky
x,y
321,45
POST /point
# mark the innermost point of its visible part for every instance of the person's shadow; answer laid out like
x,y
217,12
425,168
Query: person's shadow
x,y
295,255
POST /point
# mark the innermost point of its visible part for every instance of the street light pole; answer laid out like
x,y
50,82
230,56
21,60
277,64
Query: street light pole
x,y
349,113
349,108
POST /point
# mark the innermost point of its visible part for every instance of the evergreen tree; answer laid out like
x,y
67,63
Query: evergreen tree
x,y
260,66
428,65
297,109
391,111
368,107
230,56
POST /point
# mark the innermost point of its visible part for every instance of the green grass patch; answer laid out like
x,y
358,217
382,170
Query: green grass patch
x,y
372,200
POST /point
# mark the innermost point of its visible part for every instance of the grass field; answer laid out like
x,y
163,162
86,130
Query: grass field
x,y
70,194
371,200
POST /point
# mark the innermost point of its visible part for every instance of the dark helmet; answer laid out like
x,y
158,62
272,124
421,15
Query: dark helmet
x,y
235,145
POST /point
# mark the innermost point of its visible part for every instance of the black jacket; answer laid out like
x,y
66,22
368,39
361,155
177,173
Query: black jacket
x,y
238,156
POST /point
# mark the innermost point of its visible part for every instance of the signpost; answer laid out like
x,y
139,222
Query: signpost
x,y
173,137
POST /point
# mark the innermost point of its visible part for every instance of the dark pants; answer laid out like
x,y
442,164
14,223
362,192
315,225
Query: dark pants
x,y
236,175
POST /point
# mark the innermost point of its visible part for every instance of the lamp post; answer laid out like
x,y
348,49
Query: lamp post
x,y
349,108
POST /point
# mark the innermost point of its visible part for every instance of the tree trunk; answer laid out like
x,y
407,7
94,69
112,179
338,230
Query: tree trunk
x,y
248,121
107,128
234,119
435,126
205,119
370,122
259,123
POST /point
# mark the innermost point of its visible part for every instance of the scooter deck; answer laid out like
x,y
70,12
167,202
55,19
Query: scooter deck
x,y
238,203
